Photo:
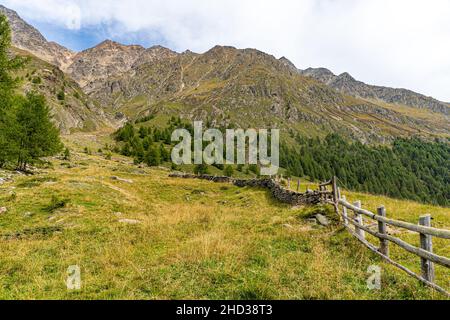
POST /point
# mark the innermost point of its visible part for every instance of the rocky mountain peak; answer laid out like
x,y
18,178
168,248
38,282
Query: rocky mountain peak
x,y
322,74
288,63
346,77
113,45
346,84
26,37
152,54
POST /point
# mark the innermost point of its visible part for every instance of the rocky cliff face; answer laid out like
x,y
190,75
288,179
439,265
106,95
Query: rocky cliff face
x,y
345,83
43,73
106,60
109,60
26,37
71,107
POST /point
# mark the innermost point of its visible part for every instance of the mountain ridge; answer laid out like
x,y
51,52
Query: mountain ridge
x,y
244,87
347,84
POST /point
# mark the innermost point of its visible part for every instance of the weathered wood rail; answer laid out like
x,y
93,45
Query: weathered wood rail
x,y
356,226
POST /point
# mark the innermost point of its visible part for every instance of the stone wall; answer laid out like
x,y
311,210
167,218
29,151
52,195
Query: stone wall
x,y
278,192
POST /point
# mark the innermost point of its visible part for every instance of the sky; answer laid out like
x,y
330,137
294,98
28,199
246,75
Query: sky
x,y
395,43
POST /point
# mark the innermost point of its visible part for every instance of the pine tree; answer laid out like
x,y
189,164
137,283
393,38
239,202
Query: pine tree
x,y
8,125
153,157
228,171
165,154
38,137
201,169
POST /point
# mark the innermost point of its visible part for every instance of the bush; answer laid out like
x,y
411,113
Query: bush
x,y
67,154
228,171
56,203
201,169
61,95
37,80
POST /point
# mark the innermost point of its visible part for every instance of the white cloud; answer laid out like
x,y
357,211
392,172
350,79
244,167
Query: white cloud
x,y
401,43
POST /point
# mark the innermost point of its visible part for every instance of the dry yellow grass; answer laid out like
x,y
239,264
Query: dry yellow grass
x,y
195,239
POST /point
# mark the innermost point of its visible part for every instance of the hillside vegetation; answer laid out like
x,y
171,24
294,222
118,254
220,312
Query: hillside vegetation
x,y
191,239
408,169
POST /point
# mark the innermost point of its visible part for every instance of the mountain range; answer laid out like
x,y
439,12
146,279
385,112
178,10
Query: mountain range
x,y
111,83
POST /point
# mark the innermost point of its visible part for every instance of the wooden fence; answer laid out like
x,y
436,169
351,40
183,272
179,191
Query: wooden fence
x,y
356,226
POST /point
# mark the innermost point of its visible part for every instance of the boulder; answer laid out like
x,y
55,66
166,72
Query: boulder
x,y
121,179
129,221
321,219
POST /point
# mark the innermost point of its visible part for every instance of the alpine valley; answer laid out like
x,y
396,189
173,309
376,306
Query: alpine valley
x,y
92,205
110,84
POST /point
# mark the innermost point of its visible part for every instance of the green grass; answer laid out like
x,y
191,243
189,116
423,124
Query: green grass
x,y
195,239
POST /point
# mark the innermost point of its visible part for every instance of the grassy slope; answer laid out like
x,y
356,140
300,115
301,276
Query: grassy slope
x,y
196,239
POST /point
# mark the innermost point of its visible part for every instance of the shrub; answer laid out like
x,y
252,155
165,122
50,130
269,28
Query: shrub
x,y
67,154
56,203
201,169
228,171
61,95
37,80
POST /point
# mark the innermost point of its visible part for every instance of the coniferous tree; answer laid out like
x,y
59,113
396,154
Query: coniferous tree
x,y
153,157
228,171
201,169
38,137
8,125
165,154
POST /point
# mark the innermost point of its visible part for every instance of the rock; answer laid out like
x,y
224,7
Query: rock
x,y
129,221
28,214
121,179
322,220
199,192
3,210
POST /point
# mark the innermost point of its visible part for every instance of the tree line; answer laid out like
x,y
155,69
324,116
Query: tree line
x,y
408,168
26,131
153,146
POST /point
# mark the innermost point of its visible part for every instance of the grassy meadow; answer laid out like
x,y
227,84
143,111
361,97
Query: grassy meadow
x,y
189,239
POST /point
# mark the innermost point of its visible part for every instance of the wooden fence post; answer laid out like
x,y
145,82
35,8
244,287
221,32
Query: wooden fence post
x,y
298,185
426,244
335,191
359,219
382,228
344,211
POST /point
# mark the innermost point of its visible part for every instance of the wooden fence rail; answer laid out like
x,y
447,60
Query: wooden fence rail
x,y
423,228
